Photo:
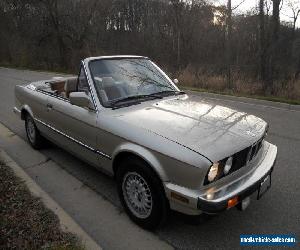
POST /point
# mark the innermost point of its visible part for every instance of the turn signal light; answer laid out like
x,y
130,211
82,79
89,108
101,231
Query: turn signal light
x,y
179,197
233,202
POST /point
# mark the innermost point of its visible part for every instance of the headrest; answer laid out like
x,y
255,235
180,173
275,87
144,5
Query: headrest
x,y
71,84
107,81
103,95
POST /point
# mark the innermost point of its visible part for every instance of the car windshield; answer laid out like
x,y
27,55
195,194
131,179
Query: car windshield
x,y
128,80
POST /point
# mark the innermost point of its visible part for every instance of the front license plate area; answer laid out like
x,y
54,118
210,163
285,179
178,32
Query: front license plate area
x,y
264,186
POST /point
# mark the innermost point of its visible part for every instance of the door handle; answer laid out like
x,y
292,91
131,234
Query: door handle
x,y
49,106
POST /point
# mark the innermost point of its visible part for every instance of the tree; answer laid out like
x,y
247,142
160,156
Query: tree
x,y
229,40
294,6
229,43
262,39
275,20
178,10
213,43
273,46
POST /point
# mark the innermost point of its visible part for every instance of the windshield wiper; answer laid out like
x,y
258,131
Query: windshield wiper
x,y
135,98
172,92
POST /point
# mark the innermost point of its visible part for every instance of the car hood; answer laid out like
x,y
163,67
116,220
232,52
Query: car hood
x,y
203,126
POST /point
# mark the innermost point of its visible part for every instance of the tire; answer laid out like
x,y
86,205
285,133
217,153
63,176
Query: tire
x,y
148,206
33,135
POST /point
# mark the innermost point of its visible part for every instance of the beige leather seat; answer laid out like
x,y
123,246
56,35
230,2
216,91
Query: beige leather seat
x,y
70,86
111,89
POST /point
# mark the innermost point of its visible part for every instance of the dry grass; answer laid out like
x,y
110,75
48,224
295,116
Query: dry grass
x,y
241,84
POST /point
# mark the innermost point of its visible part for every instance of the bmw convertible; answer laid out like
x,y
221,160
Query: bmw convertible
x,y
165,148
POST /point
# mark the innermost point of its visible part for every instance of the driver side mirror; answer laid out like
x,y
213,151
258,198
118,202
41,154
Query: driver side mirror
x,y
175,81
80,99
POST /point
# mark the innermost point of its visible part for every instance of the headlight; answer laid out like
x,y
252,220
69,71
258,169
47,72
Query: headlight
x,y
213,172
218,170
228,165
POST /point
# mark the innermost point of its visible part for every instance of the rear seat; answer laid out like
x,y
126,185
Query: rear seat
x,y
70,86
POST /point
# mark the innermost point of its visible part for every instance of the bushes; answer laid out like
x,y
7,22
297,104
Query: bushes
x,y
243,84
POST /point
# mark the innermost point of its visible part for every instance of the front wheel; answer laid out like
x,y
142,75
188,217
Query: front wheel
x,y
33,135
141,193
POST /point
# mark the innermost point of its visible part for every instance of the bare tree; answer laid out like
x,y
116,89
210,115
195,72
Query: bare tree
x,y
262,39
178,8
229,56
53,10
294,7
229,43
275,20
210,43
273,46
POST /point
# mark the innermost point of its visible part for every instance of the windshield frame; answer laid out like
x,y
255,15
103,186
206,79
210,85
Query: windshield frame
x,y
169,81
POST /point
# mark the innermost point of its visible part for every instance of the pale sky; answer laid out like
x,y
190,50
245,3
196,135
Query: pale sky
x,y
247,5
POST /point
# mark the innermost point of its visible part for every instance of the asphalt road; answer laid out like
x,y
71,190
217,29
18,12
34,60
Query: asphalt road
x,y
277,212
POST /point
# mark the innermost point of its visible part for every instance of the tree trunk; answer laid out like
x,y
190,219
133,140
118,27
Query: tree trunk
x,y
54,16
178,49
273,46
229,44
177,7
276,20
262,44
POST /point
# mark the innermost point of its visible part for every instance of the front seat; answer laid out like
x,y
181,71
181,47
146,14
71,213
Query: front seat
x,y
111,88
70,86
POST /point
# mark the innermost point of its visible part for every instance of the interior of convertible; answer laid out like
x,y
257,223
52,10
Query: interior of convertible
x,y
114,79
64,86
107,87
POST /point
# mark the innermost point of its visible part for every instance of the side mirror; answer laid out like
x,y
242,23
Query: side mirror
x,y
80,99
175,81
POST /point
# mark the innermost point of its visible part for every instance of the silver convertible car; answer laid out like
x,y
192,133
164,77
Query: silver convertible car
x,y
165,148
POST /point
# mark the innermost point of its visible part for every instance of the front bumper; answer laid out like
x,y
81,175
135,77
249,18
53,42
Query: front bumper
x,y
215,199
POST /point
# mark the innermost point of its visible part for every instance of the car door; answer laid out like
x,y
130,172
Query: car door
x,y
74,126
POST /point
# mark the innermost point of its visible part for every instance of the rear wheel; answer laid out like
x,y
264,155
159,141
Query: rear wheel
x,y
33,135
141,193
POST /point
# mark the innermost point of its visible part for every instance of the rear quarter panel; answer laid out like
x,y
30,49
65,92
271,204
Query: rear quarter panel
x,y
32,101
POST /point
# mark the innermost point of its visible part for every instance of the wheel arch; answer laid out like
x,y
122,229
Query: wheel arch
x,y
26,110
129,149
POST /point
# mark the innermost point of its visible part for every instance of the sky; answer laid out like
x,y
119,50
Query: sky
x,y
246,5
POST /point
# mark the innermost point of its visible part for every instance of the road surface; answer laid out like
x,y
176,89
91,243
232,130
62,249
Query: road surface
x,y
276,212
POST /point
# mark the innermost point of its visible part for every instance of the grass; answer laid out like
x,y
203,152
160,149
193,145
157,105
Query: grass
x,y
266,98
25,223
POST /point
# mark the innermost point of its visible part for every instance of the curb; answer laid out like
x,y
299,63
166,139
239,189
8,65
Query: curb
x,y
66,222
247,100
